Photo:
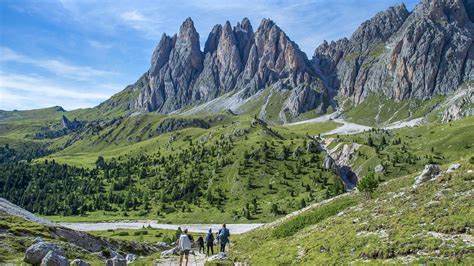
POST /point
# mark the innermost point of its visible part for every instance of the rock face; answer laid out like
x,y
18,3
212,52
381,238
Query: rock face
x,y
36,252
403,55
234,59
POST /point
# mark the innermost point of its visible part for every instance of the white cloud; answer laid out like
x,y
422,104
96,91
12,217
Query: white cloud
x,y
133,16
99,45
31,91
59,68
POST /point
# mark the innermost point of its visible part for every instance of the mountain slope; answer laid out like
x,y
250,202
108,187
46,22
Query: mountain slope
x,y
400,225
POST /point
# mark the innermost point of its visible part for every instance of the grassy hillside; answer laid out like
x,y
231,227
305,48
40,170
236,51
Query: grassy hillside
x,y
429,224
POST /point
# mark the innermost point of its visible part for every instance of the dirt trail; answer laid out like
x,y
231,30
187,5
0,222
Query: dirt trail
x,y
197,259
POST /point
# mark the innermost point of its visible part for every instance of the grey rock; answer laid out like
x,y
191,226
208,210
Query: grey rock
x,y
52,258
36,252
453,167
79,262
430,172
379,168
328,162
162,245
169,252
131,258
116,261
218,256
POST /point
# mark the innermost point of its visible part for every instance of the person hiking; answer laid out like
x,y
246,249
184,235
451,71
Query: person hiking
x,y
200,243
224,237
184,246
210,242
178,233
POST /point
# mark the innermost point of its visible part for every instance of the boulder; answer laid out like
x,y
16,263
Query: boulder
x,y
116,261
379,168
79,262
218,256
430,171
52,258
169,252
162,245
131,258
36,252
453,167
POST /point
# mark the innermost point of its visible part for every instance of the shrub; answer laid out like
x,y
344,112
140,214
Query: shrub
x,y
122,234
368,184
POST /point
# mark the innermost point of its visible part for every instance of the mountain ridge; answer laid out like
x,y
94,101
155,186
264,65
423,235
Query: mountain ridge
x,y
401,54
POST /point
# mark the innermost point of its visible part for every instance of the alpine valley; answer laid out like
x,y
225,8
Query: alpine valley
x,y
363,153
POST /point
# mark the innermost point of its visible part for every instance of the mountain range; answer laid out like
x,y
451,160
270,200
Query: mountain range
x,y
398,54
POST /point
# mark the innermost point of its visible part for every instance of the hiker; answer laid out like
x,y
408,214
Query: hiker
x,y
184,245
210,242
178,233
224,237
200,243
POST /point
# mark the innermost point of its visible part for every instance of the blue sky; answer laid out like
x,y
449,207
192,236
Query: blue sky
x,y
77,53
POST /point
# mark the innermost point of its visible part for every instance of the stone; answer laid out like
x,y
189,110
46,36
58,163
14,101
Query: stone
x,y
116,261
430,172
79,262
36,252
169,252
218,256
162,245
131,258
379,168
52,258
453,167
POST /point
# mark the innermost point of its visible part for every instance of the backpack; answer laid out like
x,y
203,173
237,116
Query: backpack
x,y
210,238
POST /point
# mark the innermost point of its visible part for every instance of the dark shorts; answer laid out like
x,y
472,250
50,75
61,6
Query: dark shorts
x,y
184,252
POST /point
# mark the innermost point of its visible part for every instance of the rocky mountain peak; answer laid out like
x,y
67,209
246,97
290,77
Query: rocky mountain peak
x,y
234,59
403,55
447,11
380,27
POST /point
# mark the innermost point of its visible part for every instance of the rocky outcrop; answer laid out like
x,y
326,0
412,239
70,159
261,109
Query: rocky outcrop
x,y
235,59
403,55
458,105
174,124
36,252
71,125
431,171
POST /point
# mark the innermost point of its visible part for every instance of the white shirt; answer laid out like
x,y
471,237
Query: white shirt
x,y
184,242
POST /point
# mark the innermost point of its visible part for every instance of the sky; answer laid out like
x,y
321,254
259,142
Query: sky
x,y
77,53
